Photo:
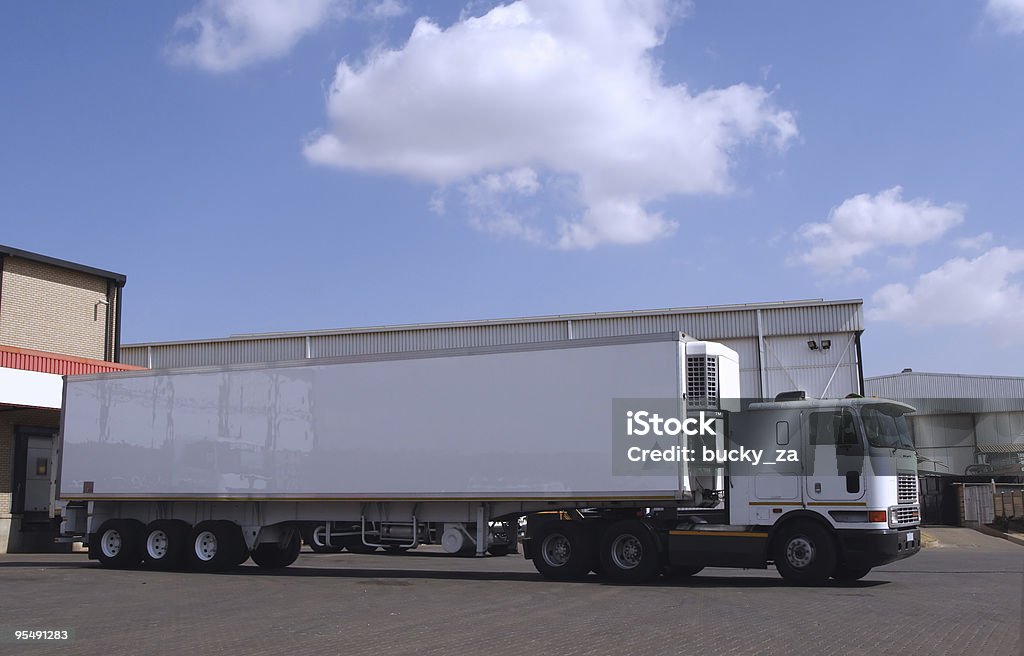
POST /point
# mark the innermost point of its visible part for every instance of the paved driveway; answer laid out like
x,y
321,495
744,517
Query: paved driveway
x,y
962,596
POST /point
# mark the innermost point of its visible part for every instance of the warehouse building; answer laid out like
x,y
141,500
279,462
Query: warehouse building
x,y
967,429
56,318
811,345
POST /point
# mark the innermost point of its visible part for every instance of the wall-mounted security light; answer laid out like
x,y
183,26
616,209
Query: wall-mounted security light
x,y
96,309
813,345
826,344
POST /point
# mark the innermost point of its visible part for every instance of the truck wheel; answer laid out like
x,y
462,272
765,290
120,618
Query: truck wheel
x,y
564,551
805,554
499,549
120,542
165,543
215,546
844,573
317,541
271,555
629,552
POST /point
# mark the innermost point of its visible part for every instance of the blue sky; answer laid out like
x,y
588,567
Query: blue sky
x,y
342,163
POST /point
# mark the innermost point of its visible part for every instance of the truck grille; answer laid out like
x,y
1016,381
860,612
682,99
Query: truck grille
x,y
906,488
904,515
702,382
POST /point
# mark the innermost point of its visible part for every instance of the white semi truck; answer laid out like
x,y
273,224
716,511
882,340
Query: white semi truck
x,y
204,468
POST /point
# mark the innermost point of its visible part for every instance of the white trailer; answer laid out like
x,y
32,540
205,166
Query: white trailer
x,y
207,467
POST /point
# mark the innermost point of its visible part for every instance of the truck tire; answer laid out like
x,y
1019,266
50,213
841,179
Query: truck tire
x,y
165,544
804,554
564,551
215,546
271,555
844,573
629,552
120,543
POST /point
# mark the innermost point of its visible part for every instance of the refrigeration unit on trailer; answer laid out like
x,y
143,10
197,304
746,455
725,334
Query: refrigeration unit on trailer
x,y
204,468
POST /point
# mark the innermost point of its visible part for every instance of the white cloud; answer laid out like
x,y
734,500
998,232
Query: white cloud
x,y
865,223
1007,14
975,243
386,9
220,36
566,89
225,35
984,292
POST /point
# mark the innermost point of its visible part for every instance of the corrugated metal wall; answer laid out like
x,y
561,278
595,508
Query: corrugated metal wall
x,y
945,386
786,328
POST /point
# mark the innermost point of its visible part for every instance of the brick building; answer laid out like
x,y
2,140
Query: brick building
x,y
56,318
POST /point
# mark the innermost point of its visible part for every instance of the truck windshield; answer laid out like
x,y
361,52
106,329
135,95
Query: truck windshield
x,y
886,426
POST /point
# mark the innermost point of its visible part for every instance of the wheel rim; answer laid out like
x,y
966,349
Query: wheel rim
x,y
206,546
627,551
800,551
110,543
319,536
556,550
157,544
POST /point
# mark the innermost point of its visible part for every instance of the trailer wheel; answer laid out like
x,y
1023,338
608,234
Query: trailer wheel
x,y
564,551
805,554
317,541
629,552
215,546
165,543
120,542
844,573
499,549
271,555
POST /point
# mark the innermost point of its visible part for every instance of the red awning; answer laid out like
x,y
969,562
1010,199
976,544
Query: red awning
x,y
12,357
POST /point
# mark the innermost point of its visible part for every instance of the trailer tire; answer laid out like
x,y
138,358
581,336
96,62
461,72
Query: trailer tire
x,y
629,552
499,549
119,543
564,551
164,544
271,555
215,546
805,553
844,573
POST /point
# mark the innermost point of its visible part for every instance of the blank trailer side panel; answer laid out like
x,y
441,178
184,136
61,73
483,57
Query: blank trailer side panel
x,y
529,422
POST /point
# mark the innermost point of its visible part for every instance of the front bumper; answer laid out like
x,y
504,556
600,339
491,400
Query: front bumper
x,y
872,548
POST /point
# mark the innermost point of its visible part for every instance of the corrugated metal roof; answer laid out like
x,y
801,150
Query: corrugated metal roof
x,y
1000,448
721,322
917,384
52,363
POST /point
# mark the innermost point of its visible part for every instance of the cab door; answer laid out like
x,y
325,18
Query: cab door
x,y
834,457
